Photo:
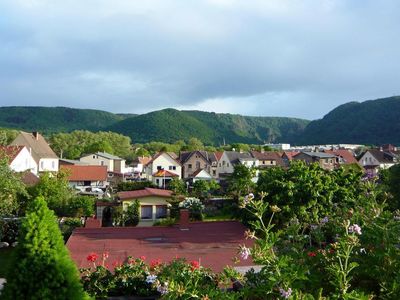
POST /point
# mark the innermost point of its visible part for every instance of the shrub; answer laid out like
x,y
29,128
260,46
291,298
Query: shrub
x,y
42,266
132,214
9,230
195,208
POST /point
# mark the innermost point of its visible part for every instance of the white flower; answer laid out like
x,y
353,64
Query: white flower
x,y
151,278
355,229
163,289
244,252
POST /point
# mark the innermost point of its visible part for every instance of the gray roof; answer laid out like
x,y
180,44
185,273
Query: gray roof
x,y
36,142
73,162
318,154
108,156
234,156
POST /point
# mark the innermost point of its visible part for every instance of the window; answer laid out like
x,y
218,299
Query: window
x,y
197,165
94,156
159,168
227,164
102,163
219,164
146,212
172,168
53,165
42,165
214,173
157,181
223,163
189,166
161,211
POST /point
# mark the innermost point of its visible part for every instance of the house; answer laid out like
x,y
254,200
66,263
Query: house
x,y
112,162
199,175
163,161
44,156
267,159
287,157
228,160
162,178
325,160
138,165
193,161
343,157
87,179
153,202
19,158
375,159
69,162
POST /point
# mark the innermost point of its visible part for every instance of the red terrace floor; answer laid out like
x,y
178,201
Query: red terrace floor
x,y
213,243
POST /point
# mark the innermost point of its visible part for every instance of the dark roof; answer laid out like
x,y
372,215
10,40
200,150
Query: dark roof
x,y
382,156
64,161
146,192
207,156
214,244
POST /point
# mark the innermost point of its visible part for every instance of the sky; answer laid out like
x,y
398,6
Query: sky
x,y
294,58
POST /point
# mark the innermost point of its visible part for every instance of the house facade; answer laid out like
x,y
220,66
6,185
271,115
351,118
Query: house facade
x,y
162,161
375,159
325,160
153,203
40,150
19,159
195,161
112,162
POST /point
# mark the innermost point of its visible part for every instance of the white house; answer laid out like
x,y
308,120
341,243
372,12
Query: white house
x,y
43,155
113,163
163,161
19,159
374,159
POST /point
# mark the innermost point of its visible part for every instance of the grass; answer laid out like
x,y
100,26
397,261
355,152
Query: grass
x,y
5,260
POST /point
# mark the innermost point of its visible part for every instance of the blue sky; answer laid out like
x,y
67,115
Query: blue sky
x,y
298,58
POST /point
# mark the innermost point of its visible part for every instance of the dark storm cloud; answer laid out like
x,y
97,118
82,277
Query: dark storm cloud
x,y
281,57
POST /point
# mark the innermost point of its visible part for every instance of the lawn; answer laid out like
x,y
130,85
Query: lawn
x,y
5,260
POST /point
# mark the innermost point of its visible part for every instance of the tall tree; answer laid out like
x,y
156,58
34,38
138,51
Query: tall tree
x,y
42,268
240,182
11,188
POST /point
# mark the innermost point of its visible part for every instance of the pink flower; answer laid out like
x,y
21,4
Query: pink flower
x,y
105,255
285,294
155,263
244,252
355,229
92,257
142,257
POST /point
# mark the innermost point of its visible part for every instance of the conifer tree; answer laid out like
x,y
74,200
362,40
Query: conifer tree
x,y
42,268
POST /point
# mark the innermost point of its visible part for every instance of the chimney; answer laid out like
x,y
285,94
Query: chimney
x,y
184,219
35,135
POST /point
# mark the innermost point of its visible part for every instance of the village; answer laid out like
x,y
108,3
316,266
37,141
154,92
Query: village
x,y
160,184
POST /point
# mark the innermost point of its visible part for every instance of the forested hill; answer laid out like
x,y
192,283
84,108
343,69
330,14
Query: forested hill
x,y
371,122
55,119
169,125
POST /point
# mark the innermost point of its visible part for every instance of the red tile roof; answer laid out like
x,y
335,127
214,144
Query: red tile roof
x,y
345,154
290,154
10,151
164,173
214,244
146,192
218,155
83,173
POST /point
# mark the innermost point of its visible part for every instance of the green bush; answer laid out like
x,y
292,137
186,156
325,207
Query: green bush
x,y
42,266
